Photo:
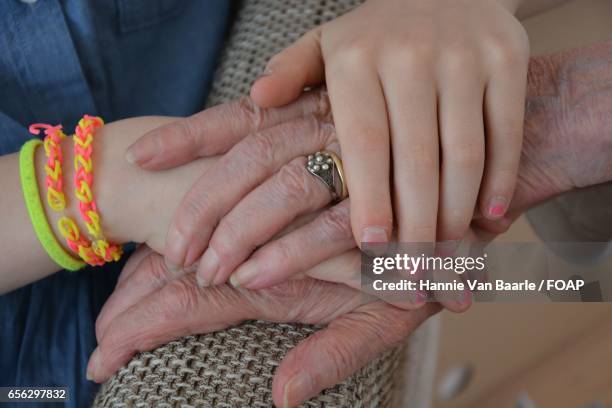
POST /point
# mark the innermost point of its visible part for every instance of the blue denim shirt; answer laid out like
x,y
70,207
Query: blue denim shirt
x,y
60,59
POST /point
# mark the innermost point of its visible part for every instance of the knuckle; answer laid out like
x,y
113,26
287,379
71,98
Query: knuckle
x,y
420,159
343,357
329,135
158,274
253,115
323,105
295,184
420,232
501,178
508,53
319,131
510,131
356,54
367,138
282,253
459,59
188,131
336,223
414,56
178,298
257,150
453,228
195,208
465,154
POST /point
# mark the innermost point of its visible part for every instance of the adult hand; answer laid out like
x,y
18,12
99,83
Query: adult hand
x,y
258,150
428,99
567,82
147,310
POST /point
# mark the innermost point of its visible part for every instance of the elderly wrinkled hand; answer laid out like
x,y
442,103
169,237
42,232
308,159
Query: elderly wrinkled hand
x,y
147,310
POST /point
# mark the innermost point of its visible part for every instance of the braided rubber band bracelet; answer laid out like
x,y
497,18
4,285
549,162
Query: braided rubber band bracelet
x,y
83,184
55,194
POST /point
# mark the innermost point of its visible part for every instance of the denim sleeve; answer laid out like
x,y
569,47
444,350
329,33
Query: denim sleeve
x,y
12,135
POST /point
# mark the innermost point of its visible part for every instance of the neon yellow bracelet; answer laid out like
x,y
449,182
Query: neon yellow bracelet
x,y
29,185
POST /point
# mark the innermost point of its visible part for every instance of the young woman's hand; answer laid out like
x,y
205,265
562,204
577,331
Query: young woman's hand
x,y
428,99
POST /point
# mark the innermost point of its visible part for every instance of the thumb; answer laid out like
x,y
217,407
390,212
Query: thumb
x,y
290,71
348,343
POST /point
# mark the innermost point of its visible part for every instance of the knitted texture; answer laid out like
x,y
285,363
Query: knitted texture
x,y
235,367
262,29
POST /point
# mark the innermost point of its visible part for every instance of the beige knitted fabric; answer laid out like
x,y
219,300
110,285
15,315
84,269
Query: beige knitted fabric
x,y
263,28
235,367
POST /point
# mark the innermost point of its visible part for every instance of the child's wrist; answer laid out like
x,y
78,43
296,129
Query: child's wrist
x,y
115,188
134,205
138,205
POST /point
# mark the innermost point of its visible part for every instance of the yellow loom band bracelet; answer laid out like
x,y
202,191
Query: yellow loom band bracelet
x,y
29,185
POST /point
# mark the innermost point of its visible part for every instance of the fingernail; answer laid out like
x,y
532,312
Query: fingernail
x,y
447,248
374,241
497,207
130,157
209,265
267,72
141,151
467,298
176,249
202,282
374,235
298,389
171,267
93,364
244,274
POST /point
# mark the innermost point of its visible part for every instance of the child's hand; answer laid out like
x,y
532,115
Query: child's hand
x,y
415,85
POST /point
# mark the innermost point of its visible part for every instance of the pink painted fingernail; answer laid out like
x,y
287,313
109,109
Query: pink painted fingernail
x,y
497,207
300,387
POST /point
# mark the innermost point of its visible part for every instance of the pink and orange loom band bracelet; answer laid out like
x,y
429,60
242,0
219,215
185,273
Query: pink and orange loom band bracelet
x,y
83,184
53,168
55,194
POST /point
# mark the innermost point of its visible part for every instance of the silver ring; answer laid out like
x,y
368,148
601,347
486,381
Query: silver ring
x,y
326,166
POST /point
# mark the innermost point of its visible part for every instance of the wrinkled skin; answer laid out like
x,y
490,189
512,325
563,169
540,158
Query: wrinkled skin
x,y
567,146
